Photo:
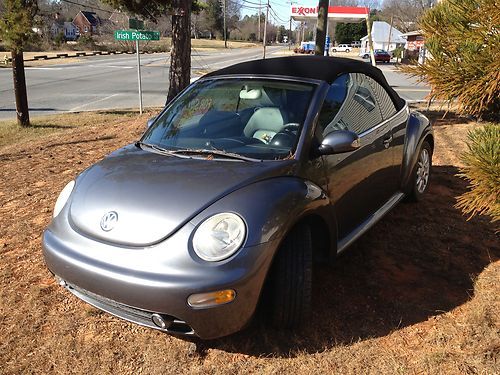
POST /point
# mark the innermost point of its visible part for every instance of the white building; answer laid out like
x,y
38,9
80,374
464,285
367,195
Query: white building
x,y
67,28
382,39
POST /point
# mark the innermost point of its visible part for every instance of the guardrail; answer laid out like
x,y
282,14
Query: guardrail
x,y
7,59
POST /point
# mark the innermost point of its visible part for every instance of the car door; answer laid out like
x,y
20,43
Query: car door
x,y
361,181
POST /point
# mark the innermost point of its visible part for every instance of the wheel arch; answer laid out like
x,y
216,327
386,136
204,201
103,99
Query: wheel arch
x,y
418,130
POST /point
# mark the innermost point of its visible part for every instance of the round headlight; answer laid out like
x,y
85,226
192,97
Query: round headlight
x,y
219,237
63,198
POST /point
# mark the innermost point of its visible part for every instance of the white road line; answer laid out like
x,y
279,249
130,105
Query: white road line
x,y
43,68
95,101
412,90
111,66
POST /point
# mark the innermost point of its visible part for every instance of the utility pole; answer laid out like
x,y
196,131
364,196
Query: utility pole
x,y
321,26
260,7
265,28
290,32
390,32
370,39
224,12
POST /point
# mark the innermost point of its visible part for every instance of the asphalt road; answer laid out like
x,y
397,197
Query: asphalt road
x,y
105,82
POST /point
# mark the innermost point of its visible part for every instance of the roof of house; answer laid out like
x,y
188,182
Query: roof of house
x,y
312,67
381,30
91,17
413,33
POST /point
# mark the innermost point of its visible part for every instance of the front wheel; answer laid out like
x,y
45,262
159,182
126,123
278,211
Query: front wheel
x,y
291,279
421,173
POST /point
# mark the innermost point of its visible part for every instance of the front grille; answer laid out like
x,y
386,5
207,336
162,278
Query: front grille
x,y
132,314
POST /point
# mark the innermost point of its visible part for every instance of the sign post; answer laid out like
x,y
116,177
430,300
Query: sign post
x,y
139,74
137,35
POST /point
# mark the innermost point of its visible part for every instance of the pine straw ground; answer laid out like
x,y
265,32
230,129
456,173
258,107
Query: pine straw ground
x,y
417,294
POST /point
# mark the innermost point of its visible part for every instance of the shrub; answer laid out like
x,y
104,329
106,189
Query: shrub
x,y
462,37
86,42
482,171
59,39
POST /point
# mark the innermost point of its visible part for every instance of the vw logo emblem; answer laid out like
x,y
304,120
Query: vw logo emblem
x,y
109,220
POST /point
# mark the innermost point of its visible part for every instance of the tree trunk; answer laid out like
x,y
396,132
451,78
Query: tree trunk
x,y
180,55
321,27
23,117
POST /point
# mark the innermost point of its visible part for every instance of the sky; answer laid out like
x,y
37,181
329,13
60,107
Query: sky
x,y
280,13
281,9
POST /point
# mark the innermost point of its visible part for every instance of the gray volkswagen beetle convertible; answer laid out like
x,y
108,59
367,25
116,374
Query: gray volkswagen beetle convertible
x,y
253,173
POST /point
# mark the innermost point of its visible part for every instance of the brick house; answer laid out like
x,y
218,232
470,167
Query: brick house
x,y
415,43
87,23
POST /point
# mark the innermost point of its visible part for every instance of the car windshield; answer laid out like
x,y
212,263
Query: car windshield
x,y
252,118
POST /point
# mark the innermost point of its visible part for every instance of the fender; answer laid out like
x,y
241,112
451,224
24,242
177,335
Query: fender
x,y
417,130
270,208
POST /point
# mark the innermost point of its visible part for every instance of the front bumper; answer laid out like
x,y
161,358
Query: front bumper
x,y
135,283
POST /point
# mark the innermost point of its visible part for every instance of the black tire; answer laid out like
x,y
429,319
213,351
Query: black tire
x,y
417,187
291,280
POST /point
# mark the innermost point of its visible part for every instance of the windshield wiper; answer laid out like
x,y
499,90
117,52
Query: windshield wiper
x,y
213,152
156,148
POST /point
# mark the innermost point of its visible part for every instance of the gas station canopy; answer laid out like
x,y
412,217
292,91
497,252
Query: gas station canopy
x,y
339,14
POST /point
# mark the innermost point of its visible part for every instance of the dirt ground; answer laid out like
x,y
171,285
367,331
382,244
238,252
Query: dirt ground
x,y
419,293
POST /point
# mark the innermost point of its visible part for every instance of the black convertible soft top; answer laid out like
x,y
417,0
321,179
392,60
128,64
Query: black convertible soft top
x,y
314,67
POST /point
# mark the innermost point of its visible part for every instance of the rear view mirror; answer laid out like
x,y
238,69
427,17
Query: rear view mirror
x,y
339,141
251,94
150,122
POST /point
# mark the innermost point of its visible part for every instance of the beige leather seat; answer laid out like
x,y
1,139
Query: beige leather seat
x,y
265,123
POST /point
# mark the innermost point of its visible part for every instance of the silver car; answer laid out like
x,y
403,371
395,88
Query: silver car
x,y
248,177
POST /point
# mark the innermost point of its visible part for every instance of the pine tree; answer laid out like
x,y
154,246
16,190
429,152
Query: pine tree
x,y
463,39
180,10
16,31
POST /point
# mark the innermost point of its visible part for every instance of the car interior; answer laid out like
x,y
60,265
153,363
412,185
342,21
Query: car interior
x,y
254,119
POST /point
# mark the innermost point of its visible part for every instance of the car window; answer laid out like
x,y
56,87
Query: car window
x,y
359,111
384,101
332,103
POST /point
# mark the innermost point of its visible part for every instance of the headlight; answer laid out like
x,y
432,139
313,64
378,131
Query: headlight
x,y
63,198
219,237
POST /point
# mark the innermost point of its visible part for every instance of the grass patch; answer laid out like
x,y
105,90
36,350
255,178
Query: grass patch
x,y
11,133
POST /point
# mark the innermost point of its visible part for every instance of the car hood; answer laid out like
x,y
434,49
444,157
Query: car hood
x,y
138,198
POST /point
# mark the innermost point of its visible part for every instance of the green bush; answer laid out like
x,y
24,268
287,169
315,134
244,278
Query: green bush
x,y
462,38
86,42
482,170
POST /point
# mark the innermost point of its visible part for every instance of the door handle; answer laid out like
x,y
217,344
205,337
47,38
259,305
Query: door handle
x,y
387,141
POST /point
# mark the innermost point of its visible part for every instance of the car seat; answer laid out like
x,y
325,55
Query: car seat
x,y
265,123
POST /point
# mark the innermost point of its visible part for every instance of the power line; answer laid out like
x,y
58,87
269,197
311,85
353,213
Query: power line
x,y
87,6
250,2
275,15
280,5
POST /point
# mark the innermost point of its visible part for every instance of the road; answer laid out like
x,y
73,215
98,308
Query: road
x,y
106,82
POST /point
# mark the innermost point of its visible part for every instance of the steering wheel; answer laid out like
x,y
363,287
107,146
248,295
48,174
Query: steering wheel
x,y
290,127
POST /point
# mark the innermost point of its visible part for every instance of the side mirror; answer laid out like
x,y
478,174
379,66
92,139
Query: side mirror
x,y
339,141
150,122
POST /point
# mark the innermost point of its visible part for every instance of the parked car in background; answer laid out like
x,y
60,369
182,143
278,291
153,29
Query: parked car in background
x,y
249,176
382,56
342,48
356,44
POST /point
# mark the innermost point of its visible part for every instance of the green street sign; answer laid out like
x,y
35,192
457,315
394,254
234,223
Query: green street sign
x,y
136,35
136,24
